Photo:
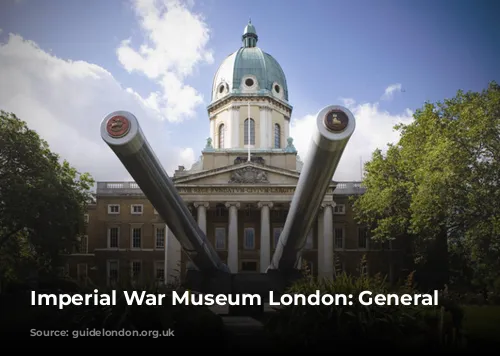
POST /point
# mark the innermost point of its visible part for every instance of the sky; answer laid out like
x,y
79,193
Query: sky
x,y
65,65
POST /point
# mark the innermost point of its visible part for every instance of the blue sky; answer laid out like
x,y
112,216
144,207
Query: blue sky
x,y
77,67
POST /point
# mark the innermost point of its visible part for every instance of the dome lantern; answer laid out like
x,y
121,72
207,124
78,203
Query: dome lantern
x,y
249,37
250,70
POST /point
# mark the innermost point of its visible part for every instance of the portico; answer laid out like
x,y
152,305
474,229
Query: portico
x,y
244,217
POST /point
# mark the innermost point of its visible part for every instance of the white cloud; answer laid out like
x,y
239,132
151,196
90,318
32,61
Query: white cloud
x,y
391,90
175,44
65,101
374,129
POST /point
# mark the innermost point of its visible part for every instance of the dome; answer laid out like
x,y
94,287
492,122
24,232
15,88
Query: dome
x,y
250,70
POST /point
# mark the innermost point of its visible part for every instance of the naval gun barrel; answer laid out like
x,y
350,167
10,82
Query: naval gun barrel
x,y
121,131
334,127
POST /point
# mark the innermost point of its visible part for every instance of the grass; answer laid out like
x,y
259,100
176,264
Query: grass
x,y
482,326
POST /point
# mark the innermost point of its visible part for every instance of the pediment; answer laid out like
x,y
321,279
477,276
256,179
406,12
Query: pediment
x,y
245,173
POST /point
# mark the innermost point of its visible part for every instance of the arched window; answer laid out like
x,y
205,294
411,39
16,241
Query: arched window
x,y
221,136
252,132
277,136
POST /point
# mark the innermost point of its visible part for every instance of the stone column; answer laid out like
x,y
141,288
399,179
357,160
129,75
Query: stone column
x,y
299,263
212,129
328,240
321,244
287,131
265,235
232,238
172,257
202,215
165,256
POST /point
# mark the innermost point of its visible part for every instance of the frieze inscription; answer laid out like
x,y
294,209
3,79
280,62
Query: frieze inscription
x,y
236,190
239,190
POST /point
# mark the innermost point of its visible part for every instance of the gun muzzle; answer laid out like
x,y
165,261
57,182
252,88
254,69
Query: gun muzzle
x,y
121,131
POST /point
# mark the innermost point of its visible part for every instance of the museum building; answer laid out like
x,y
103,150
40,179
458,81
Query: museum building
x,y
239,192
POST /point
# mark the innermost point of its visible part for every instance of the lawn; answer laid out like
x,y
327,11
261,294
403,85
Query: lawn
x,y
482,326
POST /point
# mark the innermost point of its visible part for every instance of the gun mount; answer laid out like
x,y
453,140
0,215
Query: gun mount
x,y
334,127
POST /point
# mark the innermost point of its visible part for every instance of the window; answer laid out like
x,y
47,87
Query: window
x,y
220,238
339,209
136,270
113,209
277,136
113,237
362,237
276,235
84,245
278,214
248,211
310,240
81,272
339,237
113,272
249,242
221,136
136,209
86,218
160,237
160,271
252,132
248,266
220,210
136,237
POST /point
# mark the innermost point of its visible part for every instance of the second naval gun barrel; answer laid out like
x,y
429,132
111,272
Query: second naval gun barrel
x,y
334,127
121,131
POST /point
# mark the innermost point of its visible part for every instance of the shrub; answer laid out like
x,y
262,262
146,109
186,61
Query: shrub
x,y
356,326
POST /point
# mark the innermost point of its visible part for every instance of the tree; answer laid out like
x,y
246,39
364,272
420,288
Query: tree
x,y
42,201
439,189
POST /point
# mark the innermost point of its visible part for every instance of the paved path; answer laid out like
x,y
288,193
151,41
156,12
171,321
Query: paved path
x,y
247,334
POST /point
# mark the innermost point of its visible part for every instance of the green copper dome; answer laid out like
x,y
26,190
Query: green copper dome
x,y
250,70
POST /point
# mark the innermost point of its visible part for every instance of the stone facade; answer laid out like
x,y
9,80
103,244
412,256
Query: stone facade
x,y
239,192
127,240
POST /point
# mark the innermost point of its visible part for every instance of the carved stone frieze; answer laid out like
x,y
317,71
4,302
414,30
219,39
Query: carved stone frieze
x,y
248,175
